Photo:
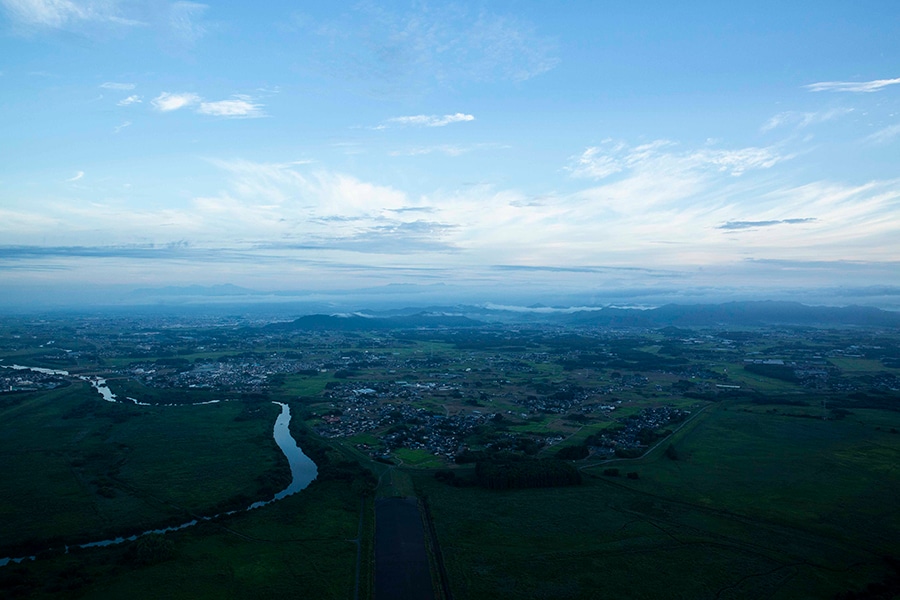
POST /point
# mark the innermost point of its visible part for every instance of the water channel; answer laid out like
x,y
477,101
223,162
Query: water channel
x,y
303,469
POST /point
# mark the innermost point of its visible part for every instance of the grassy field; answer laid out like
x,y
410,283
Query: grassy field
x,y
756,506
833,477
76,467
305,385
418,458
302,546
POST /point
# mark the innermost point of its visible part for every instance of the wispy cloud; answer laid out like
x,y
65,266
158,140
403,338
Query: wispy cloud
x,y
883,136
598,162
801,120
167,102
611,157
133,99
731,225
119,128
852,86
78,175
60,14
447,149
121,87
431,120
671,207
239,106
403,52
185,21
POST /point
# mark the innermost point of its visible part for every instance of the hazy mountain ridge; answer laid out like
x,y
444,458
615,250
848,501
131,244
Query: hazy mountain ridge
x,y
740,314
731,314
357,322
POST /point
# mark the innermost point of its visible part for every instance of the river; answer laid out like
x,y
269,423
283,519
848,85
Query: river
x,y
303,469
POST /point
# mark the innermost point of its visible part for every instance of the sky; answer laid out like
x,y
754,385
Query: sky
x,y
504,151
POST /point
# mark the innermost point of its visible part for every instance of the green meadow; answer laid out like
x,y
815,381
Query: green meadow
x,y
78,468
754,506
304,545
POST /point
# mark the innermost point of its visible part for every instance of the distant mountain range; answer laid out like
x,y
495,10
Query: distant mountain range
x,y
731,314
356,322
738,314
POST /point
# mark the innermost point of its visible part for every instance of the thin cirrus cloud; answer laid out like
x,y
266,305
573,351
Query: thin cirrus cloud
x,y
408,51
238,106
802,120
852,86
883,136
184,21
611,157
431,120
62,14
447,149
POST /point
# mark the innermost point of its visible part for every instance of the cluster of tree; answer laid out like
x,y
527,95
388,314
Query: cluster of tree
x,y
782,372
576,452
470,456
629,452
874,399
515,472
150,549
451,478
613,472
273,481
331,464
177,363
345,373
888,587
764,399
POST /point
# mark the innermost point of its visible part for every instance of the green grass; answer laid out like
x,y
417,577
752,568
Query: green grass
x,y
298,546
738,376
364,438
395,482
824,475
305,385
859,366
64,453
418,458
757,506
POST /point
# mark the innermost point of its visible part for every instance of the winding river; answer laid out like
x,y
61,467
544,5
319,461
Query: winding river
x,y
303,469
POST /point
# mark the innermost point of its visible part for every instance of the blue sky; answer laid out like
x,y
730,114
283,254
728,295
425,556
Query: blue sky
x,y
504,150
